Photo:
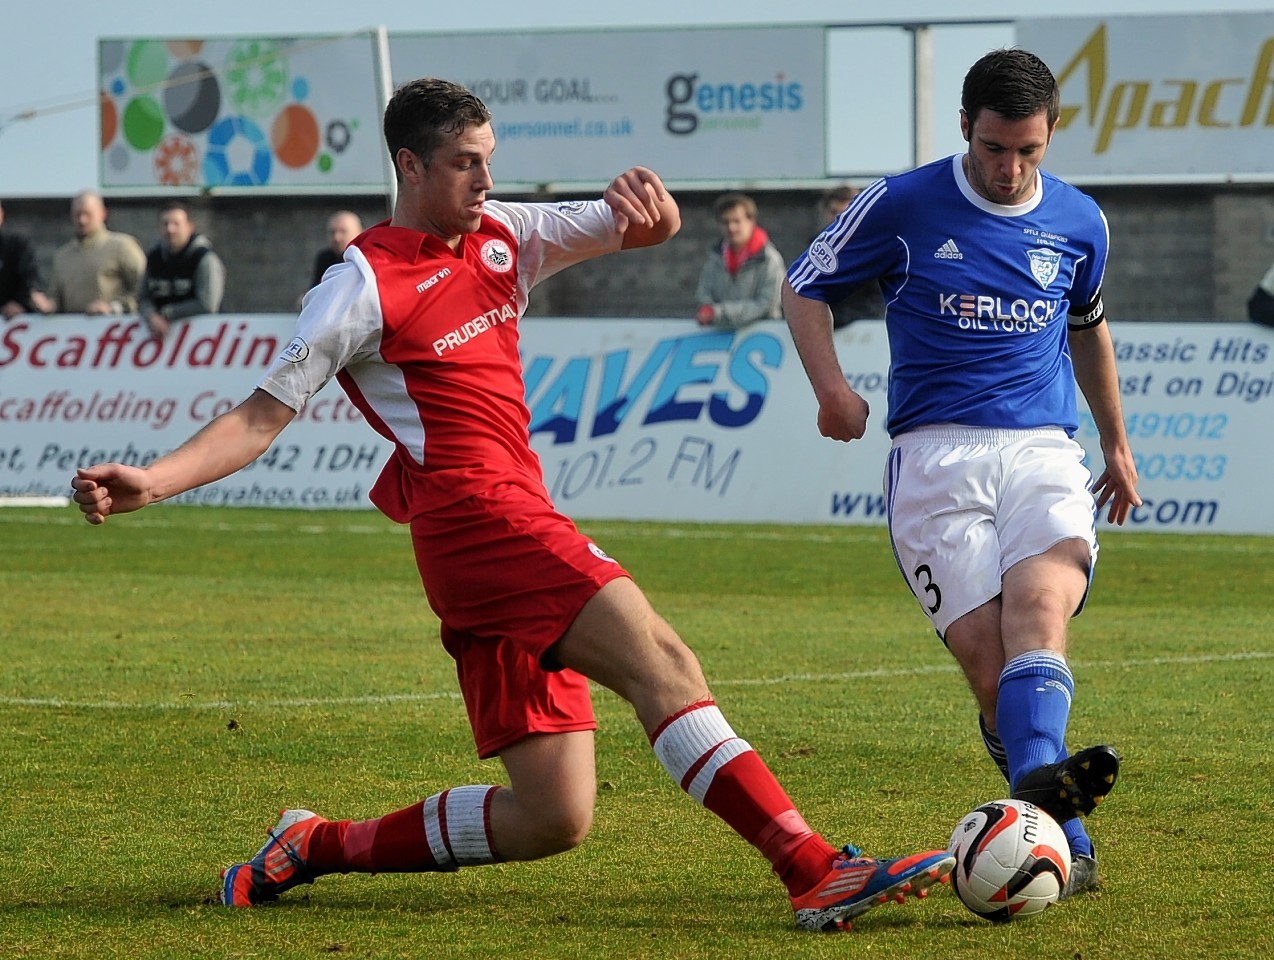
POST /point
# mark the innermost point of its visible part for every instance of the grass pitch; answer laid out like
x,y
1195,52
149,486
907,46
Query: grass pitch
x,y
173,679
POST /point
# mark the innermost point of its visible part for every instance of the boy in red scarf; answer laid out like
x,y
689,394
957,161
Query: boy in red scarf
x,y
743,273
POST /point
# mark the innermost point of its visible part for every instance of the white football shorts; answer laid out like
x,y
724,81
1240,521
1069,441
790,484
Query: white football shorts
x,y
967,503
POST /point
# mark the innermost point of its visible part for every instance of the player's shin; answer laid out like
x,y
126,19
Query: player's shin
x,y
703,754
449,830
1076,835
994,746
1033,709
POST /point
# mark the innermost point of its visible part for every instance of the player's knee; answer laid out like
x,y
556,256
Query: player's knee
x,y
563,829
674,650
674,661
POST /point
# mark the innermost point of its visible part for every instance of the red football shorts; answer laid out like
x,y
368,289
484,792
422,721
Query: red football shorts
x,y
507,575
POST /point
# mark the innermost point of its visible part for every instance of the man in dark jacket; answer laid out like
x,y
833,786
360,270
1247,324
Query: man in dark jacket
x,y
864,302
342,227
21,287
184,276
1260,306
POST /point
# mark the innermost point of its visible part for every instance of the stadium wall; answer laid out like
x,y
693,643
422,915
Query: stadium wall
x,y
1179,252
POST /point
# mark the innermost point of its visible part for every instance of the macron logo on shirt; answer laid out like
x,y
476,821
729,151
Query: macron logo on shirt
x,y
948,251
444,272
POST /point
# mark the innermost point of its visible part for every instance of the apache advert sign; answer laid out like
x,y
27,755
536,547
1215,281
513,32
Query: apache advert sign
x,y
1160,96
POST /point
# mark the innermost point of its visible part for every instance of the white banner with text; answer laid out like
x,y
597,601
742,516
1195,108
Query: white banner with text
x,y
732,103
632,419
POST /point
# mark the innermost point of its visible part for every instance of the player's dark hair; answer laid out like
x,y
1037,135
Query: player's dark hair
x,y
172,205
1014,83
422,113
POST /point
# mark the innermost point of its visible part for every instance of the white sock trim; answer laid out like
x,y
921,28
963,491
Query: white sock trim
x,y
698,787
700,740
456,827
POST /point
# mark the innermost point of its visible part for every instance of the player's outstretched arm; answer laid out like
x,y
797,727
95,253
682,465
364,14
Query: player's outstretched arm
x,y
645,211
842,413
1093,355
228,443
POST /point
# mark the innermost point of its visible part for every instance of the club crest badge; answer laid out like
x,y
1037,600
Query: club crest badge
x,y
1044,264
497,255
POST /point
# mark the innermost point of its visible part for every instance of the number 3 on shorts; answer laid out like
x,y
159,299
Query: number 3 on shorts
x,y
924,581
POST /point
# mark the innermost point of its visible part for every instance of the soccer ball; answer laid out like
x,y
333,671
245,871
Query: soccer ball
x,y
1012,860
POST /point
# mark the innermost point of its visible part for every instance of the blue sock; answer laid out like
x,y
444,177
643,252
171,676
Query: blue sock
x,y
994,747
1032,710
1077,837
1080,843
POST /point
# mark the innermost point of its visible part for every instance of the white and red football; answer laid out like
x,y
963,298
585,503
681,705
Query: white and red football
x,y
1012,860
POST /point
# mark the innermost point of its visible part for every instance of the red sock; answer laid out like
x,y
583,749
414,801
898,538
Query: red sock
x,y
449,830
394,843
727,776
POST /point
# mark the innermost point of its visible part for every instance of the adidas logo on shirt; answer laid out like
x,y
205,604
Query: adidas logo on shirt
x,y
948,251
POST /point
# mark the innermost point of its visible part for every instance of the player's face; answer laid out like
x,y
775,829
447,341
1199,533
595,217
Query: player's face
x,y
1004,154
453,186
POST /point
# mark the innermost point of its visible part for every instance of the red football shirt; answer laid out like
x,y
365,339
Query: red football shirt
x,y
424,341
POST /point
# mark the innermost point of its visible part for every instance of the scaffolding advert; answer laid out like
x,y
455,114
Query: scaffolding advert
x,y
641,419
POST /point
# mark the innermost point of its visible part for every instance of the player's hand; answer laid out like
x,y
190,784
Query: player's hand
x,y
109,488
844,416
635,196
99,308
1117,485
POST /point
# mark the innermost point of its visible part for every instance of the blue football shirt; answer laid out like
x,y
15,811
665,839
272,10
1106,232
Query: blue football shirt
x,y
978,295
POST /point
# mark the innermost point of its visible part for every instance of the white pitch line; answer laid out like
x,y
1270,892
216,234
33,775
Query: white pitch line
x,y
790,678
191,704
602,530
654,530
152,522
953,668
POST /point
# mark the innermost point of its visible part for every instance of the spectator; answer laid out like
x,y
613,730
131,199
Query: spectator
x,y
342,227
99,271
743,274
863,302
21,287
184,276
1260,306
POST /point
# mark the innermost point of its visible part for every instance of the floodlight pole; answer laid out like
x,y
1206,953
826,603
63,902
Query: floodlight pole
x,y
385,88
922,93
